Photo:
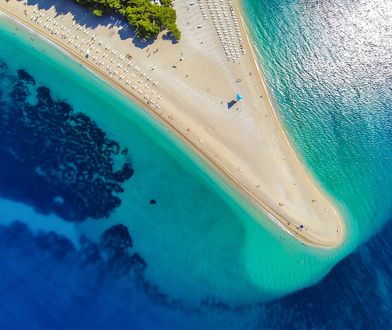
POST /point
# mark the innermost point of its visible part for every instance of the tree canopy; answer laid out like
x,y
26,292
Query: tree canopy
x,y
148,18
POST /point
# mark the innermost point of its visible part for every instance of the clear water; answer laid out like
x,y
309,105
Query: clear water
x,y
219,251
329,68
200,242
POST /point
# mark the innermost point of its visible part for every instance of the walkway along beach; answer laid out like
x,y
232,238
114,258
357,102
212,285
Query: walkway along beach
x,y
191,87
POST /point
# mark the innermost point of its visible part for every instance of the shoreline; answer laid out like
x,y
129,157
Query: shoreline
x,y
280,219
302,166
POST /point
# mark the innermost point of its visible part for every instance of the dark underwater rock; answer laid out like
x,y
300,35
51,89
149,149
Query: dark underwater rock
x,y
55,159
116,246
56,252
26,77
116,239
58,245
89,252
137,263
3,68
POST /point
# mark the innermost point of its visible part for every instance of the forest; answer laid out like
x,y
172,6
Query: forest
x,y
146,17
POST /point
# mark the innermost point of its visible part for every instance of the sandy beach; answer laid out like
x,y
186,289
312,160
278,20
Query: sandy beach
x,y
187,86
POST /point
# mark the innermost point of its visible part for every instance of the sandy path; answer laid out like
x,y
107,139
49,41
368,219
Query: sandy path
x,y
187,87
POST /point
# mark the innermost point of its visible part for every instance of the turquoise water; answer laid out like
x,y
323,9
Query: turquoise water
x,y
219,250
328,69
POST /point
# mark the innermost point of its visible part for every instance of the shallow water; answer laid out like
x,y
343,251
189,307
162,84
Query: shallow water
x,y
329,69
108,174
199,242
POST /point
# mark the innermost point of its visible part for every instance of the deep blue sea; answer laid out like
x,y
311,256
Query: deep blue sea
x,y
108,222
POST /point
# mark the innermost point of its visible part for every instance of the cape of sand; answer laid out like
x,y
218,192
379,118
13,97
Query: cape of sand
x,y
195,81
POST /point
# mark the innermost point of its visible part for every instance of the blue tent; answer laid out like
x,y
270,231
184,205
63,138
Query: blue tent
x,y
239,97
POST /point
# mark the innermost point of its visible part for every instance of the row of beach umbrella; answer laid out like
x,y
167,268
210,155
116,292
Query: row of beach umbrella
x,y
118,66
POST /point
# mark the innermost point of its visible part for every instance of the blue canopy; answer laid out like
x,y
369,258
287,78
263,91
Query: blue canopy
x,y
239,97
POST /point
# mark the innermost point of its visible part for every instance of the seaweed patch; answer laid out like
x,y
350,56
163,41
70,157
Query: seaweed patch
x,y
55,159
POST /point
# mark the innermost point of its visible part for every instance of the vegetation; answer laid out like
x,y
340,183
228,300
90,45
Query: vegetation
x,y
148,18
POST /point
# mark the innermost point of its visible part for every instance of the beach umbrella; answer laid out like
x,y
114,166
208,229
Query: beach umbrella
x,y
239,97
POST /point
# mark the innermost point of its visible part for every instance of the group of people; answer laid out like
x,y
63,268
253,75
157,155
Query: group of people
x,y
118,66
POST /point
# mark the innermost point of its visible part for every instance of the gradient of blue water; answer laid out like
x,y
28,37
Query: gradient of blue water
x,y
52,290
329,69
